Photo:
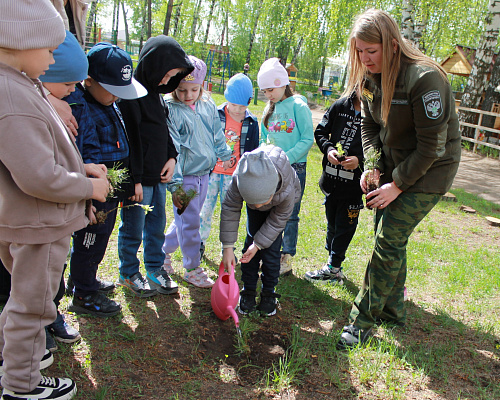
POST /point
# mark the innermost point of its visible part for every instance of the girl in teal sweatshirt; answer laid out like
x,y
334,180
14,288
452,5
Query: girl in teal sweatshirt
x,y
287,123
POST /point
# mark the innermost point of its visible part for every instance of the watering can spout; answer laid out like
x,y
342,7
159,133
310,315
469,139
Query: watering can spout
x,y
232,311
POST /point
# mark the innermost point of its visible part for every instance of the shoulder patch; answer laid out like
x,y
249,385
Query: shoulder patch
x,y
432,104
367,94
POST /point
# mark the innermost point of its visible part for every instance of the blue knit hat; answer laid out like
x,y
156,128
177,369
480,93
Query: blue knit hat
x,y
70,65
239,90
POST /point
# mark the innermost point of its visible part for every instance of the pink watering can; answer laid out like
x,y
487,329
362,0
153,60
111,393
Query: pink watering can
x,y
225,295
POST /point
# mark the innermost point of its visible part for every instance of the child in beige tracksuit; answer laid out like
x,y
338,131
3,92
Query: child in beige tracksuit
x,y
44,191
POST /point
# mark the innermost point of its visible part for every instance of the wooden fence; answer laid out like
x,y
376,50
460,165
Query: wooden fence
x,y
478,128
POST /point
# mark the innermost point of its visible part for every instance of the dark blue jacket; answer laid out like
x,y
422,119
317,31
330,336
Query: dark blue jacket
x,y
249,130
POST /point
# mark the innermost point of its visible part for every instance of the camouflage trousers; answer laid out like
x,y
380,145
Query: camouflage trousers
x,y
382,293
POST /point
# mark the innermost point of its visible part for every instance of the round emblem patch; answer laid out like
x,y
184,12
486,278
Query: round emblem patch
x,y
277,82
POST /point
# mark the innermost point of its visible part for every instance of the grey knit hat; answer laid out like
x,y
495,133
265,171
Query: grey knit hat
x,y
30,24
256,176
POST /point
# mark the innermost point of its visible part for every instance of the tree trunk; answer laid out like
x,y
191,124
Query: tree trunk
x,y
210,14
117,22
114,22
125,22
252,35
148,32
491,95
323,64
196,16
177,18
168,16
296,50
482,62
407,20
141,41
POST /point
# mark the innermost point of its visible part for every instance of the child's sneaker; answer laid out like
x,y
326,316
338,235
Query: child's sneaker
x,y
137,284
247,301
62,332
353,336
47,389
286,264
268,302
167,264
104,286
325,275
96,304
45,362
162,282
198,277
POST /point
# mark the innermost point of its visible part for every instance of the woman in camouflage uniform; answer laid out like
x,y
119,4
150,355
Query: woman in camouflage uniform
x,y
408,113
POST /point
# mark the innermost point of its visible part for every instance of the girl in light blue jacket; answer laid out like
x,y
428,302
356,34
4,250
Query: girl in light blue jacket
x,y
196,130
286,123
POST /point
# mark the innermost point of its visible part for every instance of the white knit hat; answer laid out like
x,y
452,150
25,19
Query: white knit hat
x,y
272,75
30,24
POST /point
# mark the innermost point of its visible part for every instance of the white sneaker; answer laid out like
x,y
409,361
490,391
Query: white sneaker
x,y
286,264
198,277
47,389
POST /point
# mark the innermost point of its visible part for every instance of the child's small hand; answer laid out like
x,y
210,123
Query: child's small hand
x,y
350,163
96,170
176,200
332,157
138,196
100,189
249,254
227,164
91,215
228,258
168,171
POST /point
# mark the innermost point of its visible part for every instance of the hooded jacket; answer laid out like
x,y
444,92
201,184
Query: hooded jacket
x,y
146,118
290,127
42,176
281,205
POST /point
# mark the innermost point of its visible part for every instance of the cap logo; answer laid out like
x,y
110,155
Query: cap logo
x,y
126,73
277,82
189,78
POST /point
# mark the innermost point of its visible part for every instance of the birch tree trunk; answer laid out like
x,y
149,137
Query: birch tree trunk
x,y
252,35
196,17
296,50
482,62
491,95
210,14
407,20
177,19
125,22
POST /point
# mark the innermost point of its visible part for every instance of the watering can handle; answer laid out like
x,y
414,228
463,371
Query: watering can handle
x,y
231,269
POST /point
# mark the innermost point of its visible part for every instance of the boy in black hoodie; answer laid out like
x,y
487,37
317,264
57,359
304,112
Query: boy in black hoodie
x,y
162,65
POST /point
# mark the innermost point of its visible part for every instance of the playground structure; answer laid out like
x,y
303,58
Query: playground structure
x,y
223,67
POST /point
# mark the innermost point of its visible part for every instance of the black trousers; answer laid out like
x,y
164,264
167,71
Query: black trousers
x,y
270,257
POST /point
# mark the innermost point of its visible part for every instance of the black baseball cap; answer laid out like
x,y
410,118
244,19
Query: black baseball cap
x,y
112,67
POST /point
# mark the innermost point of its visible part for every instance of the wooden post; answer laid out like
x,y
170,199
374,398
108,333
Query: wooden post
x,y
476,133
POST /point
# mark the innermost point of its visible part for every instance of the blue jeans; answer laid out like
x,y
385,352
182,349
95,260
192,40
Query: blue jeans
x,y
291,232
137,226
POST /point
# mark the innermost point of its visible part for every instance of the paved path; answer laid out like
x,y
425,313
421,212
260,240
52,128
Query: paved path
x,y
476,174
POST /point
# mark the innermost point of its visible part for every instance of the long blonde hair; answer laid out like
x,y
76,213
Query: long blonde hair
x,y
377,26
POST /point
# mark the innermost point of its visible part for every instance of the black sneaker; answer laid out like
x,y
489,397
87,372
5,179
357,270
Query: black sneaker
x,y
62,332
268,302
47,389
96,304
104,286
45,362
327,274
353,336
247,301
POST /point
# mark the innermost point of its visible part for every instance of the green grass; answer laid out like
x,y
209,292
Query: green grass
x,y
449,350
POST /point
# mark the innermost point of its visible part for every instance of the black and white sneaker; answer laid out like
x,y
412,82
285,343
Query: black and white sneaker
x,y
268,303
46,361
96,304
353,336
327,274
247,301
48,388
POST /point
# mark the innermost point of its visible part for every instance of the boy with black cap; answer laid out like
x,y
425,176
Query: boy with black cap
x,y
44,191
266,181
162,65
93,104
